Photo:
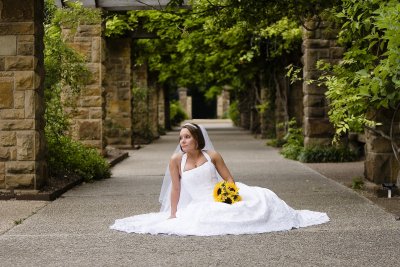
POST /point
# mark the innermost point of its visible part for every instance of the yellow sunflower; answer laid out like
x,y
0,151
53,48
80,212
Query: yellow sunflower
x,y
226,192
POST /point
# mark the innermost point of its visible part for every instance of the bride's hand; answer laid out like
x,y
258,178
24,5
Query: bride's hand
x,y
172,217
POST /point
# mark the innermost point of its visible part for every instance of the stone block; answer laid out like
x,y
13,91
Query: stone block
x,y
313,89
6,93
89,30
2,168
17,10
24,80
13,153
10,114
2,63
380,167
314,101
92,90
19,99
82,48
377,144
30,104
26,146
8,139
19,63
10,125
4,153
315,141
81,113
315,112
17,28
26,38
20,181
20,167
25,49
8,45
89,129
317,127
316,43
91,101
96,113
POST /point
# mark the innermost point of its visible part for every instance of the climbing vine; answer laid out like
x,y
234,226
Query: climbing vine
x,y
368,77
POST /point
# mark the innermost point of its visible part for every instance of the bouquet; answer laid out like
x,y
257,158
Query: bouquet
x,y
226,192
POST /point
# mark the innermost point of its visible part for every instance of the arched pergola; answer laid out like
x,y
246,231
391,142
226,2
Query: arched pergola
x,y
22,144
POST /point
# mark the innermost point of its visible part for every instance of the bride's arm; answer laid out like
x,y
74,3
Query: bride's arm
x,y
176,184
220,165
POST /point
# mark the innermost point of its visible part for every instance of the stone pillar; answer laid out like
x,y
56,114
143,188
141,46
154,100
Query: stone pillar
x,y
320,44
223,101
380,165
186,101
117,84
88,114
152,105
22,141
161,108
144,106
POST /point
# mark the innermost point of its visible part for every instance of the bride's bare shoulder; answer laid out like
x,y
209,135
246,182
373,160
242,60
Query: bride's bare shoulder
x,y
213,154
176,158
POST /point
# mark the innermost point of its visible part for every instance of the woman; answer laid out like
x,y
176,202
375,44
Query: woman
x,y
188,207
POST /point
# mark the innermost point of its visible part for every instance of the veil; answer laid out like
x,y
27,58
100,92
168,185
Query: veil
x,y
165,196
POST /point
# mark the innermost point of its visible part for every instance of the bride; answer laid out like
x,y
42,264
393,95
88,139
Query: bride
x,y
188,206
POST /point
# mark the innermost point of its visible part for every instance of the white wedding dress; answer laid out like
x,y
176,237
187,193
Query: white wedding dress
x,y
260,210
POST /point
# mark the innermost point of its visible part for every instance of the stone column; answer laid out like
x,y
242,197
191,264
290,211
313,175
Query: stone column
x,y
161,108
117,84
380,165
144,106
186,101
22,142
317,45
88,114
223,101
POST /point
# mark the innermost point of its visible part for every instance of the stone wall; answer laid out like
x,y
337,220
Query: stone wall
x,y
88,112
320,44
22,142
117,84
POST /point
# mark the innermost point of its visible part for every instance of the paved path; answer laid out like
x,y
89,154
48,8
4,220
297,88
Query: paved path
x,y
73,230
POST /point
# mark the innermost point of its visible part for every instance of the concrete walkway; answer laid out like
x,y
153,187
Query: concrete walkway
x,y
73,230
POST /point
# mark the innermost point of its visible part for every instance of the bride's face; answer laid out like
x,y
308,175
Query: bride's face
x,y
187,141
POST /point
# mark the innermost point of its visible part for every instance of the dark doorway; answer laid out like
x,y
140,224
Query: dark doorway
x,y
203,108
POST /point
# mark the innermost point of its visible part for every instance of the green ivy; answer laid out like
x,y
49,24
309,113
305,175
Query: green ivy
x,y
368,78
65,68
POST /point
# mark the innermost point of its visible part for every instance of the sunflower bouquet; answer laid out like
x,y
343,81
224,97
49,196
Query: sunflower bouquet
x,y
226,192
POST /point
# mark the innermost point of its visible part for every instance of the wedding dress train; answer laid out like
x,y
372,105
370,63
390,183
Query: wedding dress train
x,y
260,210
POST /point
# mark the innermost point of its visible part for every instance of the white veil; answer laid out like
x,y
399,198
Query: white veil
x,y
165,194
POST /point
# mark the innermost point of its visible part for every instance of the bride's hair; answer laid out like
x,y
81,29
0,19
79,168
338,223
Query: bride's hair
x,y
195,131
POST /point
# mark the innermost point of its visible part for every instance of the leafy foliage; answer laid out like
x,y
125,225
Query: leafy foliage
x,y
326,154
210,46
177,114
68,156
368,78
234,113
294,141
65,68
